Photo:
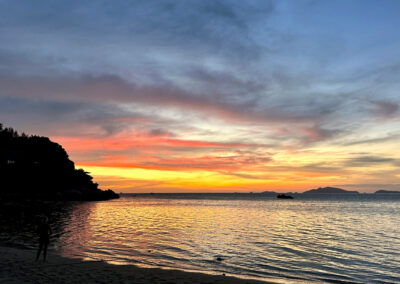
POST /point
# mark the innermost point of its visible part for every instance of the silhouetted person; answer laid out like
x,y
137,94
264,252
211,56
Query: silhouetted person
x,y
44,232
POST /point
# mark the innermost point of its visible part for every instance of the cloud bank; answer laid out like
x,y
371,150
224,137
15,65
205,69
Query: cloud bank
x,y
260,94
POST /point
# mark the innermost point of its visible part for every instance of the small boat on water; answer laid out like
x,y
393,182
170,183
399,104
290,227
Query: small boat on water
x,y
284,196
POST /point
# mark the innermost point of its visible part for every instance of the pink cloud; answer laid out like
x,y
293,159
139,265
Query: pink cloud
x,y
216,163
136,139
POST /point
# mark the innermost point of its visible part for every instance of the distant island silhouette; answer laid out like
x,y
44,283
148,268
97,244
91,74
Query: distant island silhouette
x,y
35,167
329,190
381,191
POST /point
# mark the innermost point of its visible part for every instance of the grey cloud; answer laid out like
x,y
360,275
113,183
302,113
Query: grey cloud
x,y
65,117
111,88
390,137
365,161
246,176
52,109
225,83
303,120
385,109
159,132
322,167
385,74
207,56
12,61
309,168
210,25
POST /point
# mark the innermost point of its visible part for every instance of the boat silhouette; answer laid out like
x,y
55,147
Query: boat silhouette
x,y
284,196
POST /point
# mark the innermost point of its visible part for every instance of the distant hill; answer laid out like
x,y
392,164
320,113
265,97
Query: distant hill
x,y
387,191
329,190
269,193
36,167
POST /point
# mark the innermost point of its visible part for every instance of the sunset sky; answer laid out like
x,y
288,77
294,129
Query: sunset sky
x,y
210,95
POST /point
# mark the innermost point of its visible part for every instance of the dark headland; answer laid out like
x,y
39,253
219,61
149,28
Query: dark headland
x,y
34,167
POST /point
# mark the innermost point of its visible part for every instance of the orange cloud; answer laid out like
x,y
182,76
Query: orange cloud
x,y
215,163
137,140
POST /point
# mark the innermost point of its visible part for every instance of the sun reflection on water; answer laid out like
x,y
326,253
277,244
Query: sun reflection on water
x,y
300,239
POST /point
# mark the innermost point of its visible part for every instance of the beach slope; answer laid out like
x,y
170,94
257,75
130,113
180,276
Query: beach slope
x,y
18,266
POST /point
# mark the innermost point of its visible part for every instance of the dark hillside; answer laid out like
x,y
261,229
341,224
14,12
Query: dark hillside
x,y
36,167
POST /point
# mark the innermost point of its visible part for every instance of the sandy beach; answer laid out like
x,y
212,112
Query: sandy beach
x,y
18,266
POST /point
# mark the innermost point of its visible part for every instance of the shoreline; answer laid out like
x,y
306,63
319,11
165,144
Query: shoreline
x,y
18,265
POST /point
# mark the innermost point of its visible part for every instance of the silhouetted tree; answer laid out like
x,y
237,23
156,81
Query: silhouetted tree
x,y
36,166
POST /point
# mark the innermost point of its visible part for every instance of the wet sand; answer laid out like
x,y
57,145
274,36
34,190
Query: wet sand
x,y
19,266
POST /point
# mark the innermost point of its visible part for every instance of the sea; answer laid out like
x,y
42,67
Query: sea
x,y
321,238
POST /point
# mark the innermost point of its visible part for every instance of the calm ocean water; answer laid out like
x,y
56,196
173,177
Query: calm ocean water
x,y
329,239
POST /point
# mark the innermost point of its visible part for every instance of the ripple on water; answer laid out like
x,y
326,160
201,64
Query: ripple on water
x,y
311,239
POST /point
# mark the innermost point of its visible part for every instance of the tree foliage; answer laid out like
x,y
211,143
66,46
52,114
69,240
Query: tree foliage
x,y
36,166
